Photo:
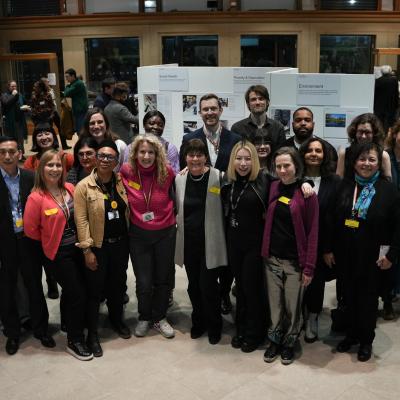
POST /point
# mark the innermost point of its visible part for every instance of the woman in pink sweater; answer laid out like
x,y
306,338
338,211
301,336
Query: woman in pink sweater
x,y
49,218
148,182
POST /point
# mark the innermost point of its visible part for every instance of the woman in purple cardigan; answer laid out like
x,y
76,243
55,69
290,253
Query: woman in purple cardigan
x,y
290,252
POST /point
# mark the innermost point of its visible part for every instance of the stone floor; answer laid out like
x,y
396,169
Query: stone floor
x,y
182,368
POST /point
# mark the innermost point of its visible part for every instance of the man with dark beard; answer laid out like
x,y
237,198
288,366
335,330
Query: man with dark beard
x,y
257,99
303,128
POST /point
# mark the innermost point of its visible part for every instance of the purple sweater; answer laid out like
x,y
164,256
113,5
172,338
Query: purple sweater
x,y
305,221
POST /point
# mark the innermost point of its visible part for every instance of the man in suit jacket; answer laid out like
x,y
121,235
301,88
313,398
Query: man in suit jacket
x,y
303,128
219,140
386,100
18,252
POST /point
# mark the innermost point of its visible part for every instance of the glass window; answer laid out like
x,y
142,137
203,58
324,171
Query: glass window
x,y
346,54
269,5
268,50
348,4
190,50
185,5
96,6
28,7
112,57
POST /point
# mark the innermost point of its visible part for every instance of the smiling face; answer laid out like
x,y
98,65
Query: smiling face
x,y
45,140
303,125
364,133
107,160
9,156
146,155
285,169
314,154
196,162
52,171
87,157
97,127
367,164
154,125
210,112
257,104
243,162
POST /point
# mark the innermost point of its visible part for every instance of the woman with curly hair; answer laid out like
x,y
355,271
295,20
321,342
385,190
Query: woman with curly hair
x,y
365,128
148,181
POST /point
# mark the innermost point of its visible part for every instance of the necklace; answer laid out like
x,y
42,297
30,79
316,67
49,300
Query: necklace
x,y
196,179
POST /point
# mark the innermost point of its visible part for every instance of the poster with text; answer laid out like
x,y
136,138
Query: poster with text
x,y
318,90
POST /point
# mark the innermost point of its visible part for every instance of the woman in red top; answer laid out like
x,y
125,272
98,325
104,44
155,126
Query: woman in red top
x,y
49,218
148,182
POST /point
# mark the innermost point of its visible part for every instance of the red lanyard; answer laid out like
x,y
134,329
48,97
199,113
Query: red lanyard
x,y
147,197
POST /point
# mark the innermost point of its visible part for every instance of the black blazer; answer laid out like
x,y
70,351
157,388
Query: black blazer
x,y
7,238
227,141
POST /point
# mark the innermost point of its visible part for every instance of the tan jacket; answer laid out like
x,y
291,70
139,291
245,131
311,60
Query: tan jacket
x,y
90,213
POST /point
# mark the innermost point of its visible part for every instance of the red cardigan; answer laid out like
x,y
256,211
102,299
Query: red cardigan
x,y
304,214
45,221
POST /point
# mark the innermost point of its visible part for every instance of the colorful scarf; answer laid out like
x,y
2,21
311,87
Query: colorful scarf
x,y
367,193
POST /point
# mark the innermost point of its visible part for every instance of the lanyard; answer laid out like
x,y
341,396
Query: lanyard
x,y
147,197
353,211
209,136
234,206
64,207
110,195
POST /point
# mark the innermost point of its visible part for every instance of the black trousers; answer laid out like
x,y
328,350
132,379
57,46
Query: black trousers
x,y
109,279
152,254
68,270
203,289
251,298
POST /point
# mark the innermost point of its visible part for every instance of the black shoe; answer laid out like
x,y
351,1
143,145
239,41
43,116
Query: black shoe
x,y
126,298
345,345
94,346
287,355
196,332
123,331
79,350
226,305
237,341
388,312
364,352
248,347
46,340
272,352
52,292
214,338
12,346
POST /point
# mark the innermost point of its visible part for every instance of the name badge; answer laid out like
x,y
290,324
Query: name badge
x,y
215,190
113,215
51,211
148,216
105,196
19,222
284,200
352,223
134,185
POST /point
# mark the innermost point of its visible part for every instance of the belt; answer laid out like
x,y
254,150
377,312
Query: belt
x,y
113,240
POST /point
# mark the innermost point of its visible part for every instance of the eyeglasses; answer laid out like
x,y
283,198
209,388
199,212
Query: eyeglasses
x,y
193,155
87,154
106,157
11,152
365,132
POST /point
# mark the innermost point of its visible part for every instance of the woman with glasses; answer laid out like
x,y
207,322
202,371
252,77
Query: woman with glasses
x,y
148,180
366,128
96,125
263,145
84,159
102,215
49,218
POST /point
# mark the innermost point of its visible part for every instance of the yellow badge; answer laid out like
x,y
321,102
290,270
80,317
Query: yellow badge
x,y
105,196
284,200
215,190
19,222
134,185
51,211
352,223
114,204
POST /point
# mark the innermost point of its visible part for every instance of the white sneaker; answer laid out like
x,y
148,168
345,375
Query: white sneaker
x,y
142,328
311,331
164,328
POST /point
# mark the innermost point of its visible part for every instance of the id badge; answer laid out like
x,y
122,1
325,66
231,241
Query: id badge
x,y
233,221
19,222
352,223
284,200
148,216
113,215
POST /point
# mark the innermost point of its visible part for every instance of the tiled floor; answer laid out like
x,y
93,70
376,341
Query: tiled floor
x,y
181,368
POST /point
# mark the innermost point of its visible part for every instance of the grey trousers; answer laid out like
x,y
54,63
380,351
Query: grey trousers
x,y
285,296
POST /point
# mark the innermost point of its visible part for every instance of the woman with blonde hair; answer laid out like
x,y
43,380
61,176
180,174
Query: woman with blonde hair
x,y
148,181
49,218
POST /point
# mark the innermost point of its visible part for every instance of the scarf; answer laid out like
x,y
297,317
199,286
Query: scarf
x,y
367,193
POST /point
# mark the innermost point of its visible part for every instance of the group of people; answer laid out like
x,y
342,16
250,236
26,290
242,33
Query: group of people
x,y
279,217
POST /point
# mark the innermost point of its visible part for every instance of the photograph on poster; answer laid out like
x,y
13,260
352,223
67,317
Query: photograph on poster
x,y
335,120
232,105
189,105
224,101
150,102
284,117
189,126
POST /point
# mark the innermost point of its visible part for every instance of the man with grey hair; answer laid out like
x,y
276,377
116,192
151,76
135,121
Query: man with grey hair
x,y
386,100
